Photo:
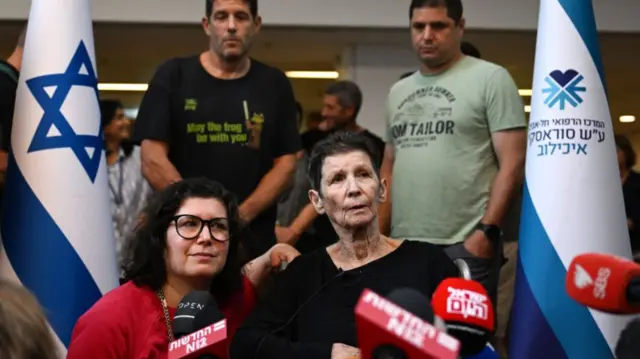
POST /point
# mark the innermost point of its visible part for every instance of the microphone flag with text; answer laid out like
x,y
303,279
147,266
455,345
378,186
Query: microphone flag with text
x,y
465,307
604,282
200,329
572,198
57,233
387,329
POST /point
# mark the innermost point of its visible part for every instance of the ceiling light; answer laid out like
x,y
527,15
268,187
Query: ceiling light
x,y
627,118
122,87
132,87
331,75
527,109
525,92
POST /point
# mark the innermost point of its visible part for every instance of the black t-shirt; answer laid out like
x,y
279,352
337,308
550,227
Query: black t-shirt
x,y
8,87
312,302
324,232
230,131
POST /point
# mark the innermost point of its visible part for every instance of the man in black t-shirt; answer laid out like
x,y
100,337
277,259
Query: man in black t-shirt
x,y
9,73
224,116
341,104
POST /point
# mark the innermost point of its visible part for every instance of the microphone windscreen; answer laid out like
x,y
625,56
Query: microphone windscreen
x,y
189,306
210,314
603,282
414,302
466,308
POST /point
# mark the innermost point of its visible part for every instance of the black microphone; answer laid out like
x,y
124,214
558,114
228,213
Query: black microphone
x,y
401,325
207,338
417,304
189,306
628,346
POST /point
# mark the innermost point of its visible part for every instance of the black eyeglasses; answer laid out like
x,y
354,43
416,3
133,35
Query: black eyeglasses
x,y
190,227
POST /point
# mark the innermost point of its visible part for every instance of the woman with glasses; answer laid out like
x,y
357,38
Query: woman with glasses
x,y
188,239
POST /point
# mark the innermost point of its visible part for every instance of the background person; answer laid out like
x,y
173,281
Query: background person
x,y
224,116
24,332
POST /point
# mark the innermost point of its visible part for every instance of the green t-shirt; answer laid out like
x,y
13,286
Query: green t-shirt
x,y
440,127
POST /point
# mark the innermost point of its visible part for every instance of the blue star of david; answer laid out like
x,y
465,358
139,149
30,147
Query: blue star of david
x,y
53,117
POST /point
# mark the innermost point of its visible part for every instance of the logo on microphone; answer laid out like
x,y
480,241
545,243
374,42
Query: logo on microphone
x,y
600,289
581,277
467,303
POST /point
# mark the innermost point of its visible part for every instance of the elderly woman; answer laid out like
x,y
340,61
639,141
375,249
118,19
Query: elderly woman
x,y
189,239
310,311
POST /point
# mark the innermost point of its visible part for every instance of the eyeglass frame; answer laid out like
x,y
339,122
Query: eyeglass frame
x,y
208,223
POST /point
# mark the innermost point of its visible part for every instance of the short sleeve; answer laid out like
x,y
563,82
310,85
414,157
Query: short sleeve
x,y
288,141
154,115
7,105
505,109
98,336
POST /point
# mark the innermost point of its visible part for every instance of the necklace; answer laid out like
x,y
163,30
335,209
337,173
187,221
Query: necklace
x,y
165,309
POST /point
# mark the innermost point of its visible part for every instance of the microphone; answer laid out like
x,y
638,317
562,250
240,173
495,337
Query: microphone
x,y
604,282
207,338
189,306
399,327
467,310
628,346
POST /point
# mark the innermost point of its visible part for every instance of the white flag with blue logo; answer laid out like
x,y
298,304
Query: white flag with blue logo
x,y
56,227
572,200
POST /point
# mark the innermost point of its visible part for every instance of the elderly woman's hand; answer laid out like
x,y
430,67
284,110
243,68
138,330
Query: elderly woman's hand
x,y
343,351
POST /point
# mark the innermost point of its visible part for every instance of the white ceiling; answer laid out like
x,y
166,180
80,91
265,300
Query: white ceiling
x,y
130,53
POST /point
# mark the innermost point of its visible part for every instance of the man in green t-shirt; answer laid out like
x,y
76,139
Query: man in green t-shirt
x,y
456,139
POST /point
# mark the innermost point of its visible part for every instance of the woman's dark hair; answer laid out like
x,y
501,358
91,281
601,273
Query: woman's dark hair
x,y
144,252
338,143
108,109
625,146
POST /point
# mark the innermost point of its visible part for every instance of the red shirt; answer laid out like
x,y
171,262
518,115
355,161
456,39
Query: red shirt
x,y
128,323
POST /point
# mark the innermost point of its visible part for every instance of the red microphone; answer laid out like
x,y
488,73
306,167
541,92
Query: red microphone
x,y
208,339
465,307
604,282
386,330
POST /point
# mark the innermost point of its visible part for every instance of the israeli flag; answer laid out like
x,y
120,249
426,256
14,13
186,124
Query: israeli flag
x,y
572,200
56,226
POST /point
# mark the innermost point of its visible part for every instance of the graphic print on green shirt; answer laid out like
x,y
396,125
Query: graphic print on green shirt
x,y
440,127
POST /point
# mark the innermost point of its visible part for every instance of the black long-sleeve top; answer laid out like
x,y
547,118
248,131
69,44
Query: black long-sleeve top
x,y
324,298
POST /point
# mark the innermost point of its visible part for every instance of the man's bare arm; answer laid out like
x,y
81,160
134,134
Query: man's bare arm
x,y
386,171
156,167
299,225
4,163
269,188
510,148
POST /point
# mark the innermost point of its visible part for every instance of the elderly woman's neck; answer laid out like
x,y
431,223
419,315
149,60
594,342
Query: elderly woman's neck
x,y
362,247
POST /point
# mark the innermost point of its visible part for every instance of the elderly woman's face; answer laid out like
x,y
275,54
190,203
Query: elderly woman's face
x,y
194,255
350,190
